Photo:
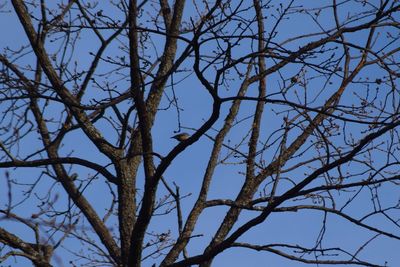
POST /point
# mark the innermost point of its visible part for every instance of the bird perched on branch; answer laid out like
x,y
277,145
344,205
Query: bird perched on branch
x,y
181,136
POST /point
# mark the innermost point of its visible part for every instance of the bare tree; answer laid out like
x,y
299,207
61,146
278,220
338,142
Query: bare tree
x,y
291,115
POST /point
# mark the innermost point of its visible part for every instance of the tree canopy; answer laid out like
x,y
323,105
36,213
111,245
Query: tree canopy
x,y
285,114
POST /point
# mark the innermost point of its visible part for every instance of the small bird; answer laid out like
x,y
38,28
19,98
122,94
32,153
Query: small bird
x,y
181,136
